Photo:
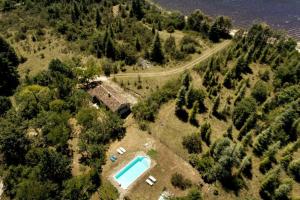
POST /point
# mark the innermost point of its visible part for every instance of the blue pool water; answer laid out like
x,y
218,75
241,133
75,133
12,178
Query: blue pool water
x,y
128,174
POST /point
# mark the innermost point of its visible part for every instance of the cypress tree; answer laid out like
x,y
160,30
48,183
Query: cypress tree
x,y
138,46
216,106
75,13
98,19
110,48
192,117
180,101
9,78
156,53
136,9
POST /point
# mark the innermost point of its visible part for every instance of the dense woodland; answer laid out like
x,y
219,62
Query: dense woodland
x,y
40,114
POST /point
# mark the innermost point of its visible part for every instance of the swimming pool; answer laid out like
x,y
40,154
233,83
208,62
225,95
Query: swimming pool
x,y
134,169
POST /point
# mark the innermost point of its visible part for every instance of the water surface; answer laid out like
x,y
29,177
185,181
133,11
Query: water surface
x,y
280,14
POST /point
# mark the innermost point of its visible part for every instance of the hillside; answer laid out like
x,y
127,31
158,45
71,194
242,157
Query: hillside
x,y
217,117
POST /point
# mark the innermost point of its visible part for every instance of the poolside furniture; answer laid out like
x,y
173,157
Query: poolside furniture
x,y
122,149
120,152
113,158
152,179
149,182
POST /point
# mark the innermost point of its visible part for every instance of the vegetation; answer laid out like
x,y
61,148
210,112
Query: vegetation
x,y
244,108
180,182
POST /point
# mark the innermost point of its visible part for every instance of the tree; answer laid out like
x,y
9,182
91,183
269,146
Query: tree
x,y
180,182
242,111
38,190
13,141
138,46
180,102
98,19
192,143
269,184
294,169
75,13
156,53
214,34
205,132
170,45
192,117
215,107
186,79
260,91
283,191
110,51
9,78
54,166
249,124
5,105
194,95
197,21
194,194
137,9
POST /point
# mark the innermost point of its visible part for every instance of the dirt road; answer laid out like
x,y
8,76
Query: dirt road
x,y
206,54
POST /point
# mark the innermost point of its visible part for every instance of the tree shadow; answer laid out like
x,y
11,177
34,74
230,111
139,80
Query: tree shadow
x,y
182,115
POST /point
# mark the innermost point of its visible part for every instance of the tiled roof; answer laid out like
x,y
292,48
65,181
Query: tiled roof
x,y
108,96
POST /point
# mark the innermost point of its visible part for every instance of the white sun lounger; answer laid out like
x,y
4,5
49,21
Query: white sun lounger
x,y
152,179
122,149
149,182
120,152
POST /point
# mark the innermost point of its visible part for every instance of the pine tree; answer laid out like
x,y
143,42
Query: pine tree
x,y
205,132
136,9
75,13
180,101
98,19
216,106
159,27
138,46
170,45
156,53
110,49
192,117
186,79
9,78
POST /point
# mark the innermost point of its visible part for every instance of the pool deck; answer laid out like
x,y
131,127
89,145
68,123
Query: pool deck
x,y
122,162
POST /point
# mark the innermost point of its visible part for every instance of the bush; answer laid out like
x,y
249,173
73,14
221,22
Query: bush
x,y
180,182
192,143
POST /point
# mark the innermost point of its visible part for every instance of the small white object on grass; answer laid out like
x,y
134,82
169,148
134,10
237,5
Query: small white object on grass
x,y
152,179
120,152
149,182
122,149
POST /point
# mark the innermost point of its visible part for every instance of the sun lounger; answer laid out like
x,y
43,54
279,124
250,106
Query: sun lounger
x,y
152,179
122,149
115,157
120,152
149,182
112,158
